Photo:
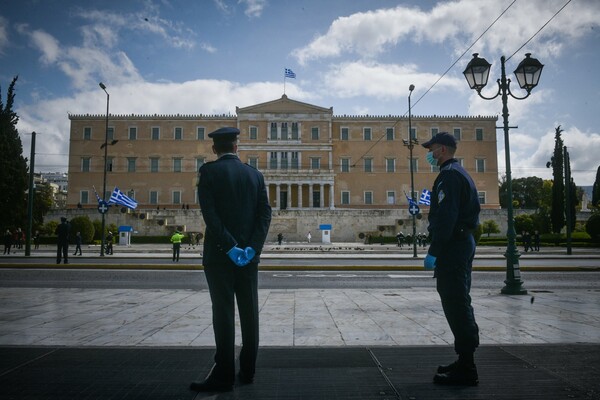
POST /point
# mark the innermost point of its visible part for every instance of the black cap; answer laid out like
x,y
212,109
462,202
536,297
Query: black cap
x,y
443,138
226,133
63,219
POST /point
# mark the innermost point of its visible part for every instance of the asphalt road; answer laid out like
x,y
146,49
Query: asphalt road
x,y
195,280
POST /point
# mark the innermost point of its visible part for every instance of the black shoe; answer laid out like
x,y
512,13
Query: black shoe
x,y
246,379
211,385
444,369
460,375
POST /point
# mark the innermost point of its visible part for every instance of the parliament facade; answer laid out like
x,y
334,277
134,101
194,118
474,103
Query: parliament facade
x,y
311,158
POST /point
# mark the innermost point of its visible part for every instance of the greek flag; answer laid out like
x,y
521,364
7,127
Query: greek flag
x,y
425,197
118,197
96,193
411,202
289,73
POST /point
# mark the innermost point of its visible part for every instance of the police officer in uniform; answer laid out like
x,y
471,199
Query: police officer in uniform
x,y
63,231
453,217
236,210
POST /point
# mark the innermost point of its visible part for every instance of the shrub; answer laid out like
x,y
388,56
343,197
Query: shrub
x,y
592,226
85,226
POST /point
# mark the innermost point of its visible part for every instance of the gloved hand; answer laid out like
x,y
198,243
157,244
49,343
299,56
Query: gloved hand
x,y
250,253
430,261
238,256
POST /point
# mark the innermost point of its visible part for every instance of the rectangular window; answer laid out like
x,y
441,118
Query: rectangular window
x,y
85,164
461,161
153,197
111,134
479,134
314,133
153,164
391,197
200,133
87,133
315,163
481,196
284,160
273,160
176,197
109,164
457,133
367,133
345,163
178,133
284,131
434,131
132,133
345,197
273,130
368,164
295,160
253,133
480,164
155,133
390,165
389,133
413,132
295,131
369,197
199,163
84,197
131,164
177,164
344,134
253,162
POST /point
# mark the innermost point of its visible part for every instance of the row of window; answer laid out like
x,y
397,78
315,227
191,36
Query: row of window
x,y
368,197
277,161
277,131
85,197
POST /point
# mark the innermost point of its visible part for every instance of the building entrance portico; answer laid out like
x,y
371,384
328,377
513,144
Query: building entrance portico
x,y
300,195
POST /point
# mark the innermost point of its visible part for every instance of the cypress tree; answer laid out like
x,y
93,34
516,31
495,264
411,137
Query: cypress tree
x,y
596,190
557,214
13,179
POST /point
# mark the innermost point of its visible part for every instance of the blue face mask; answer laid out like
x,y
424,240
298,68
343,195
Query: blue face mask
x,y
431,159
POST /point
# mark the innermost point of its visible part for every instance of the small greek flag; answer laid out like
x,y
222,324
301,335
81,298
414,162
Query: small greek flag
x,y
411,202
96,193
289,73
118,197
425,197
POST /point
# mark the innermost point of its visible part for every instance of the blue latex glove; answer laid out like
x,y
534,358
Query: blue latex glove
x,y
430,261
250,253
238,256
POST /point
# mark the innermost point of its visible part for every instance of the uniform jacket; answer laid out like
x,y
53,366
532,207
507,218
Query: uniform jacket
x,y
62,232
235,208
454,209
177,237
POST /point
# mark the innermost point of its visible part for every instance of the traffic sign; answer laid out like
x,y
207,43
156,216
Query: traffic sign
x,y
103,207
413,209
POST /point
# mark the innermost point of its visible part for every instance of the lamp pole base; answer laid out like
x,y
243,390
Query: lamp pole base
x,y
514,287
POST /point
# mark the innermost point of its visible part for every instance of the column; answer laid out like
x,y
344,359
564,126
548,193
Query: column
x,y
310,195
331,197
277,196
322,196
300,195
289,196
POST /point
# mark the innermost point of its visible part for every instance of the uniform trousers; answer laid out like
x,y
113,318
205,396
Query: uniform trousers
x,y
226,281
453,273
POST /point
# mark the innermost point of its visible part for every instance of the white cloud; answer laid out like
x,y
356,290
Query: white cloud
x,y
254,8
44,42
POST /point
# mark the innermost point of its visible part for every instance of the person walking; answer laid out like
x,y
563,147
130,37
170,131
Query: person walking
x,y
109,243
536,241
7,241
78,242
36,240
62,245
308,237
453,217
279,238
176,239
236,210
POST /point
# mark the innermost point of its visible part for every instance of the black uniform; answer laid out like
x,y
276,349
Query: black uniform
x,y
453,217
62,246
235,208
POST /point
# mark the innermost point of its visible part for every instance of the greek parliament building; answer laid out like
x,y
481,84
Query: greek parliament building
x,y
348,171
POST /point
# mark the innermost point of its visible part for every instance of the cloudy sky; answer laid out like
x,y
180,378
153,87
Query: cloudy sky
x,y
359,57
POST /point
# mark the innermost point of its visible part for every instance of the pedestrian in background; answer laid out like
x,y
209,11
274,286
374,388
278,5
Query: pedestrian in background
x,y
78,241
176,239
36,240
7,241
308,237
453,217
236,210
62,246
536,240
279,238
109,243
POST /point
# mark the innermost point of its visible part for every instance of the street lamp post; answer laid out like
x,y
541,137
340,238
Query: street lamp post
x,y
528,74
105,146
410,143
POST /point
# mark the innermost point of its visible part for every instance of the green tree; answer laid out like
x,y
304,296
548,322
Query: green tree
x,y
13,178
557,214
84,225
49,228
524,222
490,226
527,192
42,203
596,190
592,226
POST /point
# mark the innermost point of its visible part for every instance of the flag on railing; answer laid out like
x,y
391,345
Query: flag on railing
x,y
118,197
289,73
425,197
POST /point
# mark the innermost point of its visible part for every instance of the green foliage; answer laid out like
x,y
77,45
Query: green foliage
x,y
596,190
42,203
526,192
490,226
13,178
524,222
85,226
478,232
49,228
592,226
